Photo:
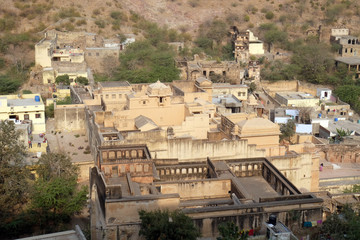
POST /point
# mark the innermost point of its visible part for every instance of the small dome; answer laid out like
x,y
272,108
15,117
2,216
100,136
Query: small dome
x,y
159,89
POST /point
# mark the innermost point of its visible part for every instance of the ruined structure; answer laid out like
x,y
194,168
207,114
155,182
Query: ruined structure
x,y
349,50
245,45
217,71
72,53
209,192
166,146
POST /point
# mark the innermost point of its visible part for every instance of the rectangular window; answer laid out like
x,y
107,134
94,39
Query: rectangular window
x,y
38,115
138,168
107,96
97,54
89,54
113,96
26,116
114,171
111,155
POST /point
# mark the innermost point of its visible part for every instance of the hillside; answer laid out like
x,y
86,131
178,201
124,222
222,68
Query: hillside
x,y
295,16
23,22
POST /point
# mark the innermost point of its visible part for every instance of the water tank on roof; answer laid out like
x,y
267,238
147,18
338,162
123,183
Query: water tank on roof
x,y
37,98
336,119
319,116
272,219
359,121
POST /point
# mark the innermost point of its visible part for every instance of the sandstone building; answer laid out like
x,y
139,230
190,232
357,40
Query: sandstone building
x,y
126,180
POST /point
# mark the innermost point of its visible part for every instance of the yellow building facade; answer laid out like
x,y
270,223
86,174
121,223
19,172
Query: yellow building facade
x,y
24,108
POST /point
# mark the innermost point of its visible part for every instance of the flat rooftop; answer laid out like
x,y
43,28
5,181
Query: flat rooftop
x,y
228,100
256,187
344,124
110,84
349,60
227,85
66,235
339,170
22,102
296,95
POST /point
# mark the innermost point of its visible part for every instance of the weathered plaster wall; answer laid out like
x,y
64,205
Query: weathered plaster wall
x,y
198,189
70,117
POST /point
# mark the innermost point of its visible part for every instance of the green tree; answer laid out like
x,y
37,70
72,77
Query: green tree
x,y
8,85
13,173
343,225
82,80
252,87
66,100
272,34
144,62
314,61
349,94
49,111
354,189
341,133
287,130
64,79
56,198
269,15
161,225
229,231
278,70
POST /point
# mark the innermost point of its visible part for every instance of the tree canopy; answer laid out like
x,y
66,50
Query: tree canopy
x,y
82,80
287,130
229,231
314,61
349,94
55,198
343,225
161,225
13,174
213,40
64,79
143,62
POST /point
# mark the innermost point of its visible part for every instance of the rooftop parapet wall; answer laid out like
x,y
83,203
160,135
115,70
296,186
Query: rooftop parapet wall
x,y
197,189
182,172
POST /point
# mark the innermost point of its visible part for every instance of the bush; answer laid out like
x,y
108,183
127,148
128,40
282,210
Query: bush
x,y
167,225
100,23
269,15
98,77
65,101
80,22
82,80
7,24
193,3
2,63
68,12
96,12
27,92
49,111
117,15
246,18
69,26
64,79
